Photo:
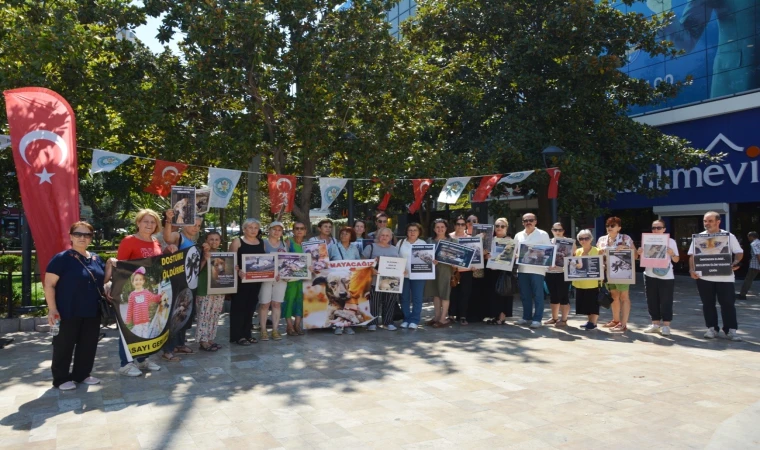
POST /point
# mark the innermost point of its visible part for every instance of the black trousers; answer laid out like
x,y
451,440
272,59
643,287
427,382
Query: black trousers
x,y
77,338
659,298
460,296
242,307
709,291
559,289
497,303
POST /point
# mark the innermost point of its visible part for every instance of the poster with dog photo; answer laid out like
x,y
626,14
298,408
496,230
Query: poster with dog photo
x,y
620,267
390,275
183,204
486,232
152,299
259,268
422,267
320,258
712,254
294,266
563,247
202,197
476,244
502,254
453,254
339,295
535,254
221,273
654,250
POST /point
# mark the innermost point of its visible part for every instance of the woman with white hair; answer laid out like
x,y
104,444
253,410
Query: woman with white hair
x,y
272,293
244,301
381,303
587,291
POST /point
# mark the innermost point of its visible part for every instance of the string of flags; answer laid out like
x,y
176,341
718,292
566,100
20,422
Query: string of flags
x,y
282,188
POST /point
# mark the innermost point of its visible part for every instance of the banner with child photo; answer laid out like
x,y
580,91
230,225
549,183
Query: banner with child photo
x,y
153,298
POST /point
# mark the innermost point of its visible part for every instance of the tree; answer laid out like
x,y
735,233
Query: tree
x,y
292,80
514,77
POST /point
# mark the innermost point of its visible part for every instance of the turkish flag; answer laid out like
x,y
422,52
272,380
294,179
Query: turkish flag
x,y
554,173
43,138
486,186
384,202
165,175
421,187
282,192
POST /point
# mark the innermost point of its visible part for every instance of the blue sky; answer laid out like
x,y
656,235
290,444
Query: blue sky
x,y
147,34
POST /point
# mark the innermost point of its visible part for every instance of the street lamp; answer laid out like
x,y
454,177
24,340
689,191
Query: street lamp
x,y
549,153
350,137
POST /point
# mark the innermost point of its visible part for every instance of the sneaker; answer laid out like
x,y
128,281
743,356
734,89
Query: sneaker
x,y
535,324
522,322
130,370
652,328
741,297
148,365
404,324
91,381
412,326
665,331
372,328
68,386
731,335
264,335
710,333
588,326
338,331
276,335
350,330
391,327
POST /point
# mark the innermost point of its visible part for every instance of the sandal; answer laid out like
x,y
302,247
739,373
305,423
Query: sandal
x,y
252,340
441,324
216,346
611,323
184,350
299,331
619,328
553,321
561,323
208,348
463,321
291,332
243,341
431,322
170,357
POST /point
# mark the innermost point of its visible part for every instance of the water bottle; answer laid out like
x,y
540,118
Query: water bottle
x,y
56,327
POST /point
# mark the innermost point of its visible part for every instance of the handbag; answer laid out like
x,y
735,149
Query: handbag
x,y
454,281
504,284
604,298
107,313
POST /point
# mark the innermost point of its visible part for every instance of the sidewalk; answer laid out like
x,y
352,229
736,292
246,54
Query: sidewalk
x,y
477,386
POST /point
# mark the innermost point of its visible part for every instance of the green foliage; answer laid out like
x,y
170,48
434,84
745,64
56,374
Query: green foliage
x,y
10,263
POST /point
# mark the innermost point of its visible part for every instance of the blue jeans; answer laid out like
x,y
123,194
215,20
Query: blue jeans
x,y
123,354
532,295
413,290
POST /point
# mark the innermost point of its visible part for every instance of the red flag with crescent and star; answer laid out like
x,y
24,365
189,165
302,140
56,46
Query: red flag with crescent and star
x,y
43,139
486,186
165,175
282,192
554,173
421,187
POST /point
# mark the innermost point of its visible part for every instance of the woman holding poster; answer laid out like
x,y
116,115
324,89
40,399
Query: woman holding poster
x,y
244,301
411,297
294,292
440,287
559,289
587,291
621,301
659,284
343,250
381,303
500,305
462,292
209,306
272,293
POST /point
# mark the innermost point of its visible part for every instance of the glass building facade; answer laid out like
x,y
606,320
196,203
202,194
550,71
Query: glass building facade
x,y
399,13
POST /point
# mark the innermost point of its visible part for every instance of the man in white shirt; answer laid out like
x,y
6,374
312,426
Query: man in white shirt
x,y
530,277
718,287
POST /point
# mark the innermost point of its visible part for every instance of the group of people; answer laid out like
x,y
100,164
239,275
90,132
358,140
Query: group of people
x,y
76,278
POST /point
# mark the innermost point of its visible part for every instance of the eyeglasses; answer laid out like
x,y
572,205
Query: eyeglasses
x,y
77,234
587,238
557,229
529,220
658,228
460,224
500,226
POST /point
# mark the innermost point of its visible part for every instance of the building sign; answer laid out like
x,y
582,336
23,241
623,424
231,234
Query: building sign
x,y
735,179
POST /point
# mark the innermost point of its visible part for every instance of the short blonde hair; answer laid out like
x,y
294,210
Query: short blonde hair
x,y
149,212
502,219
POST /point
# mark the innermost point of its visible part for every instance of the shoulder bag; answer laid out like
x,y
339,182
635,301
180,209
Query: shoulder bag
x,y
107,313
604,298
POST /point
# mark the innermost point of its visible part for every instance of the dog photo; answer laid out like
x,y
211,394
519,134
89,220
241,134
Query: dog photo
x,y
294,266
393,285
183,204
202,197
339,295
221,273
259,268
535,255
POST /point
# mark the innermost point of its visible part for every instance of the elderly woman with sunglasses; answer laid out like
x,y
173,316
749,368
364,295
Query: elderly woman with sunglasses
x,y
500,306
587,291
659,284
621,300
559,289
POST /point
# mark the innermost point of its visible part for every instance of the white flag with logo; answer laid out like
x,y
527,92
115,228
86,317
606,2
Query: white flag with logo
x,y
331,188
453,189
5,141
222,183
103,161
515,177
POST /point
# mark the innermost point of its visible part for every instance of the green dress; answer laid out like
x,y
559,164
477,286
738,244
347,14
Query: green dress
x,y
294,293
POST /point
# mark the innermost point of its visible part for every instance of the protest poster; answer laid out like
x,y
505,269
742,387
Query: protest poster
x,y
654,251
535,254
259,268
563,247
202,200
319,255
620,267
503,254
475,243
390,275
454,254
153,299
712,254
222,278
339,295
183,204
581,268
486,232
294,266
422,267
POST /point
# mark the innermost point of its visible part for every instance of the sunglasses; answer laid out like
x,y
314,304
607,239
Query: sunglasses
x,y
557,229
500,226
299,228
658,228
584,238
529,220
472,221
460,224
611,226
77,234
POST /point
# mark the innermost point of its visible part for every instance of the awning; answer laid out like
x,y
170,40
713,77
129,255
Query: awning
x,y
690,210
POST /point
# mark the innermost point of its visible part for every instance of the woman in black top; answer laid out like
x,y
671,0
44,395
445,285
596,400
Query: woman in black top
x,y
247,297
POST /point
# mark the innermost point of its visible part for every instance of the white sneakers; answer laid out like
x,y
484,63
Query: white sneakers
x,y
372,328
412,326
733,336
68,386
522,322
535,324
652,328
404,324
665,331
338,331
349,330
710,333
130,370
91,381
148,365
391,327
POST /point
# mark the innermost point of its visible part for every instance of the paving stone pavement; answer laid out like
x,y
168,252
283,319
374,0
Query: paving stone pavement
x,y
477,386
